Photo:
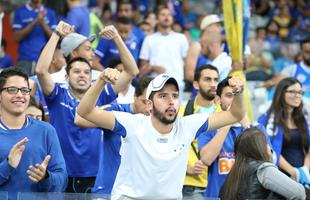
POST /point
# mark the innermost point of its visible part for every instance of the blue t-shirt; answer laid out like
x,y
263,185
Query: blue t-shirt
x,y
30,47
293,151
6,61
43,141
39,95
107,49
79,18
110,157
80,146
222,165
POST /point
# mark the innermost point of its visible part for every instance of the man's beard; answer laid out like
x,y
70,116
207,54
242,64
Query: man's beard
x,y
78,90
206,95
161,117
307,62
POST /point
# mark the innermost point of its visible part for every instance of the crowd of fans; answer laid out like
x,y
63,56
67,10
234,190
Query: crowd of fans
x,y
141,101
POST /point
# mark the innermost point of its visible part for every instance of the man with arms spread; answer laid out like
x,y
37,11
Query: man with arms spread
x,y
155,148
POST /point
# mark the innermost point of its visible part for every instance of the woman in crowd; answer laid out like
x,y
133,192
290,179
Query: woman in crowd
x,y
36,110
287,128
254,176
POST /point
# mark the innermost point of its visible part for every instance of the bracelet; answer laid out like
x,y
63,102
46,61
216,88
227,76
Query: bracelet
x,y
238,93
58,33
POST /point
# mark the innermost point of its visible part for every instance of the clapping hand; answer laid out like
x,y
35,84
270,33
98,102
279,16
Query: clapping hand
x,y
16,153
41,16
38,172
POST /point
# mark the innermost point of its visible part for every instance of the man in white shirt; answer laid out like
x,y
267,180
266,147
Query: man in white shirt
x,y
164,51
155,148
211,43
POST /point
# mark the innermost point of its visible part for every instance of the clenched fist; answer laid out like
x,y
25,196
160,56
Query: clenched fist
x,y
110,75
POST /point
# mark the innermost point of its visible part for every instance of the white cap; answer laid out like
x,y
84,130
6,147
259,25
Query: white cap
x,y
72,41
158,83
208,20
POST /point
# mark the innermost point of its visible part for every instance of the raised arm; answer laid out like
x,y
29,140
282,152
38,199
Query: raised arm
x,y
237,110
130,66
46,57
87,108
191,60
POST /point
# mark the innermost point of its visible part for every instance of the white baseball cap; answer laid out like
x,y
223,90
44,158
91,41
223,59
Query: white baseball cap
x,y
158,83
72,41
208,20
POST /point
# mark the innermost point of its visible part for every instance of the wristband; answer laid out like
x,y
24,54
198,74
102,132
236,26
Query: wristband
x,y
58,33
238,93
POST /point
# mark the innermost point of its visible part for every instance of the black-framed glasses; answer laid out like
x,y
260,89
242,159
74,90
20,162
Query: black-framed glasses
x,y
295,93
14,90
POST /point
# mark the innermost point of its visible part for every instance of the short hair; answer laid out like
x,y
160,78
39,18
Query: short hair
x,y
76,59
260,28
35,103
12,71
124,2
114,61
160,8
124,20
198,71
220,87
142,84
304,41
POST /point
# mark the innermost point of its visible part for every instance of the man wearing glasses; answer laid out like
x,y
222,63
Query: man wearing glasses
x,y
31,159
155,148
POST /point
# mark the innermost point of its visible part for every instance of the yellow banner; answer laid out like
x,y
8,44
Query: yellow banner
x,y
233,20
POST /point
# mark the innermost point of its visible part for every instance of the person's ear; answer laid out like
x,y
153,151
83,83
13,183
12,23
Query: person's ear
x,y
67,77
196,85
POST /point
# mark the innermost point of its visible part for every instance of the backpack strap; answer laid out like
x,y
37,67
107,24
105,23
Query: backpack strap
x,y
189,109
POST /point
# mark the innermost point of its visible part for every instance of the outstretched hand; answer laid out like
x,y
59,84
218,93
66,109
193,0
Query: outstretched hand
x,y
110,75
109,32
16,153
38,172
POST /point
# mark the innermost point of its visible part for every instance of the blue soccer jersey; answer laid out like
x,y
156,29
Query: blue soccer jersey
x,y
80,146
107,49
80,19
30,47
221,166
110,157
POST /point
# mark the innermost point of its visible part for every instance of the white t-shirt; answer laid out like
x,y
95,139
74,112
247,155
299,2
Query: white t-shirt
x,y
167,51
153,165
223,63
128,97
